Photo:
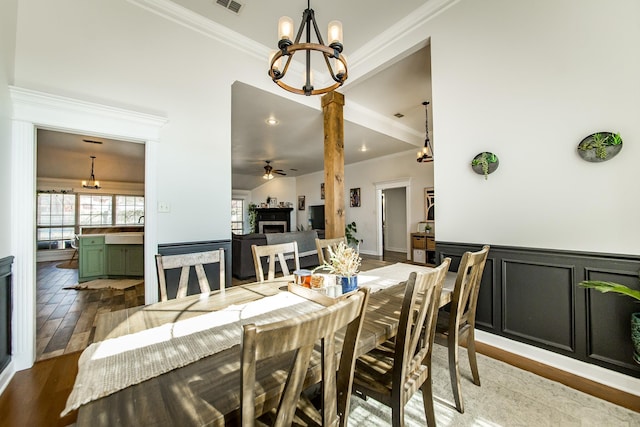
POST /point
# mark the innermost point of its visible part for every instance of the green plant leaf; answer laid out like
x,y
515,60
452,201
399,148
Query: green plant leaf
x,y
605,287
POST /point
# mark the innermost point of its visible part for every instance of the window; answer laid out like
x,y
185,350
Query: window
x,y
56,215
129,210
95,210
55,220
237,209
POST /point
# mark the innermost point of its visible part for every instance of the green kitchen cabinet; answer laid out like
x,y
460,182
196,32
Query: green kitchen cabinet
x,y
91,265
125,260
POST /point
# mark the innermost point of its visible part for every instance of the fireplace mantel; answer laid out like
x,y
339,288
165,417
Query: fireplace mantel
x,y
274,214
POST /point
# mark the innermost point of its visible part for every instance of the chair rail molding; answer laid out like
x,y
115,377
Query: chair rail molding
x,y
32,110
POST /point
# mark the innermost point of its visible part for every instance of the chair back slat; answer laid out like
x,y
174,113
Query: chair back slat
x,y
417,323
273,251
465,293
323,244
301,335
185,262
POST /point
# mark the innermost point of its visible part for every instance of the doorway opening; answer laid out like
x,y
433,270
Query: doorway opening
x,y
67,212
393,223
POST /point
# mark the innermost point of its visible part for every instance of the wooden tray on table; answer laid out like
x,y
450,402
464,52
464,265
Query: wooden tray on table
x,y
317,295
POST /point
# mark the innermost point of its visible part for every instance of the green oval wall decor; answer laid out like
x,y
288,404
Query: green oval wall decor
x,y
600,146
485,163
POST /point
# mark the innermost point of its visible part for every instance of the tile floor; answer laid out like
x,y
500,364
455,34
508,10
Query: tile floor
x,y
65,318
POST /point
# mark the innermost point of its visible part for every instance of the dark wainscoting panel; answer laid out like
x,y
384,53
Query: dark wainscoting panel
x,y
532,296
212,271
5,311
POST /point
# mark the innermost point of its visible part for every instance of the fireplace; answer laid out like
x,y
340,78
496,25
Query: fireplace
x,y
272,226
273,220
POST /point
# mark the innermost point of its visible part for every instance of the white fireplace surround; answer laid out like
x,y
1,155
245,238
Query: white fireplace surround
x,y
261,225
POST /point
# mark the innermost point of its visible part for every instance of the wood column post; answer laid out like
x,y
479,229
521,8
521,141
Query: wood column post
x,y
332,104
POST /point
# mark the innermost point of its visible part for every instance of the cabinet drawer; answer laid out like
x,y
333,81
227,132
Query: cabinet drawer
x,y
92,241
431,244
419,242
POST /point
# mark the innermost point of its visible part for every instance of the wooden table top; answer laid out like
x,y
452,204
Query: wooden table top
x,y
207,392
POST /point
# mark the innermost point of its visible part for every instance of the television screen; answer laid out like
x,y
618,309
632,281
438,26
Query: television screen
x,y
316,214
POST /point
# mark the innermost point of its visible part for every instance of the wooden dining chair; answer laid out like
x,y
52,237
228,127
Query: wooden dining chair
x,y
273,251
459,322
185,261
263,345
323,244
393,371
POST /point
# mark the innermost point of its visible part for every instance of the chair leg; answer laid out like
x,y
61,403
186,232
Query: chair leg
x,y
471,351
454,371
427,399
397,414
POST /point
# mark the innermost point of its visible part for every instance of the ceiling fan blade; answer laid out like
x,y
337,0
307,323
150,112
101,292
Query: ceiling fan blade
x,y
279,172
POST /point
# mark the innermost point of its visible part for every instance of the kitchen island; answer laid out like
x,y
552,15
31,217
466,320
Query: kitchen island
x,y
110,255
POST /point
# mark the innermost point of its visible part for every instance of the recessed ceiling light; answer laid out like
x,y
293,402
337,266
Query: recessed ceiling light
x,y
399,115
271,121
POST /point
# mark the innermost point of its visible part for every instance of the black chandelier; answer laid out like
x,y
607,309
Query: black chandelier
x,y
92,183
287,49
426,154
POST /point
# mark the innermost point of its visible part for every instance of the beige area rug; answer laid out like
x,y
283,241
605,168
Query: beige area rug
x,y
72,265
107,283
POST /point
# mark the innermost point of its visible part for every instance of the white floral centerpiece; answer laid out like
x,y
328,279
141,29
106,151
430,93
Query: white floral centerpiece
x,y
344,262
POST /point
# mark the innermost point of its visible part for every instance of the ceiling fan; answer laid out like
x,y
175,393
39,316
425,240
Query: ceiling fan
x,y
269,171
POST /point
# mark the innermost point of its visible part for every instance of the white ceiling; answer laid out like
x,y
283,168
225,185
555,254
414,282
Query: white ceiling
x,y
399,86
67,156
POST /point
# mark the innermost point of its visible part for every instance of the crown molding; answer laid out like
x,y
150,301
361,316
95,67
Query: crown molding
x,y
196,22
45,109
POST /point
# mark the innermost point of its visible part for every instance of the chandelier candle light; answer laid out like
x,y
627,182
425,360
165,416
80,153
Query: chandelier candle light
x,y
287,49
92,183
426,154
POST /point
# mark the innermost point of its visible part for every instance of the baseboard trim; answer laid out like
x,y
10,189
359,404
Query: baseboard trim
x,y
6,375
599,382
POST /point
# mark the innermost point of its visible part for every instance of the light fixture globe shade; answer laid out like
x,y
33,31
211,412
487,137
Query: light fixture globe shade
x,y
285,28
334,32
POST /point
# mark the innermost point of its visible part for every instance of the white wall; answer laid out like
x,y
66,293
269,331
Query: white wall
x,y
8,10
365,175
395,238
119,54
528,81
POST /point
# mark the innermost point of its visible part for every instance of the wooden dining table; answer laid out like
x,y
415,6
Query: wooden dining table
x,y
206,392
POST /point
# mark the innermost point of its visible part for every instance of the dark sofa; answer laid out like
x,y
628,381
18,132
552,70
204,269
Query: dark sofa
x,y
242,259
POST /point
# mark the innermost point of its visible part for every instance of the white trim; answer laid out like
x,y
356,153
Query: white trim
x,y
394,183
205,26
575,367
6,375
32,109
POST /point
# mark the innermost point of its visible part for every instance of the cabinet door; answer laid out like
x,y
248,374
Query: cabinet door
x,y
135,260
116,260
91,262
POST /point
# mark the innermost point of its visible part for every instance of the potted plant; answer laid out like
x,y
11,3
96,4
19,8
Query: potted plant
x,y
344,262
349,233
485,163
600,146
253,215
605,287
